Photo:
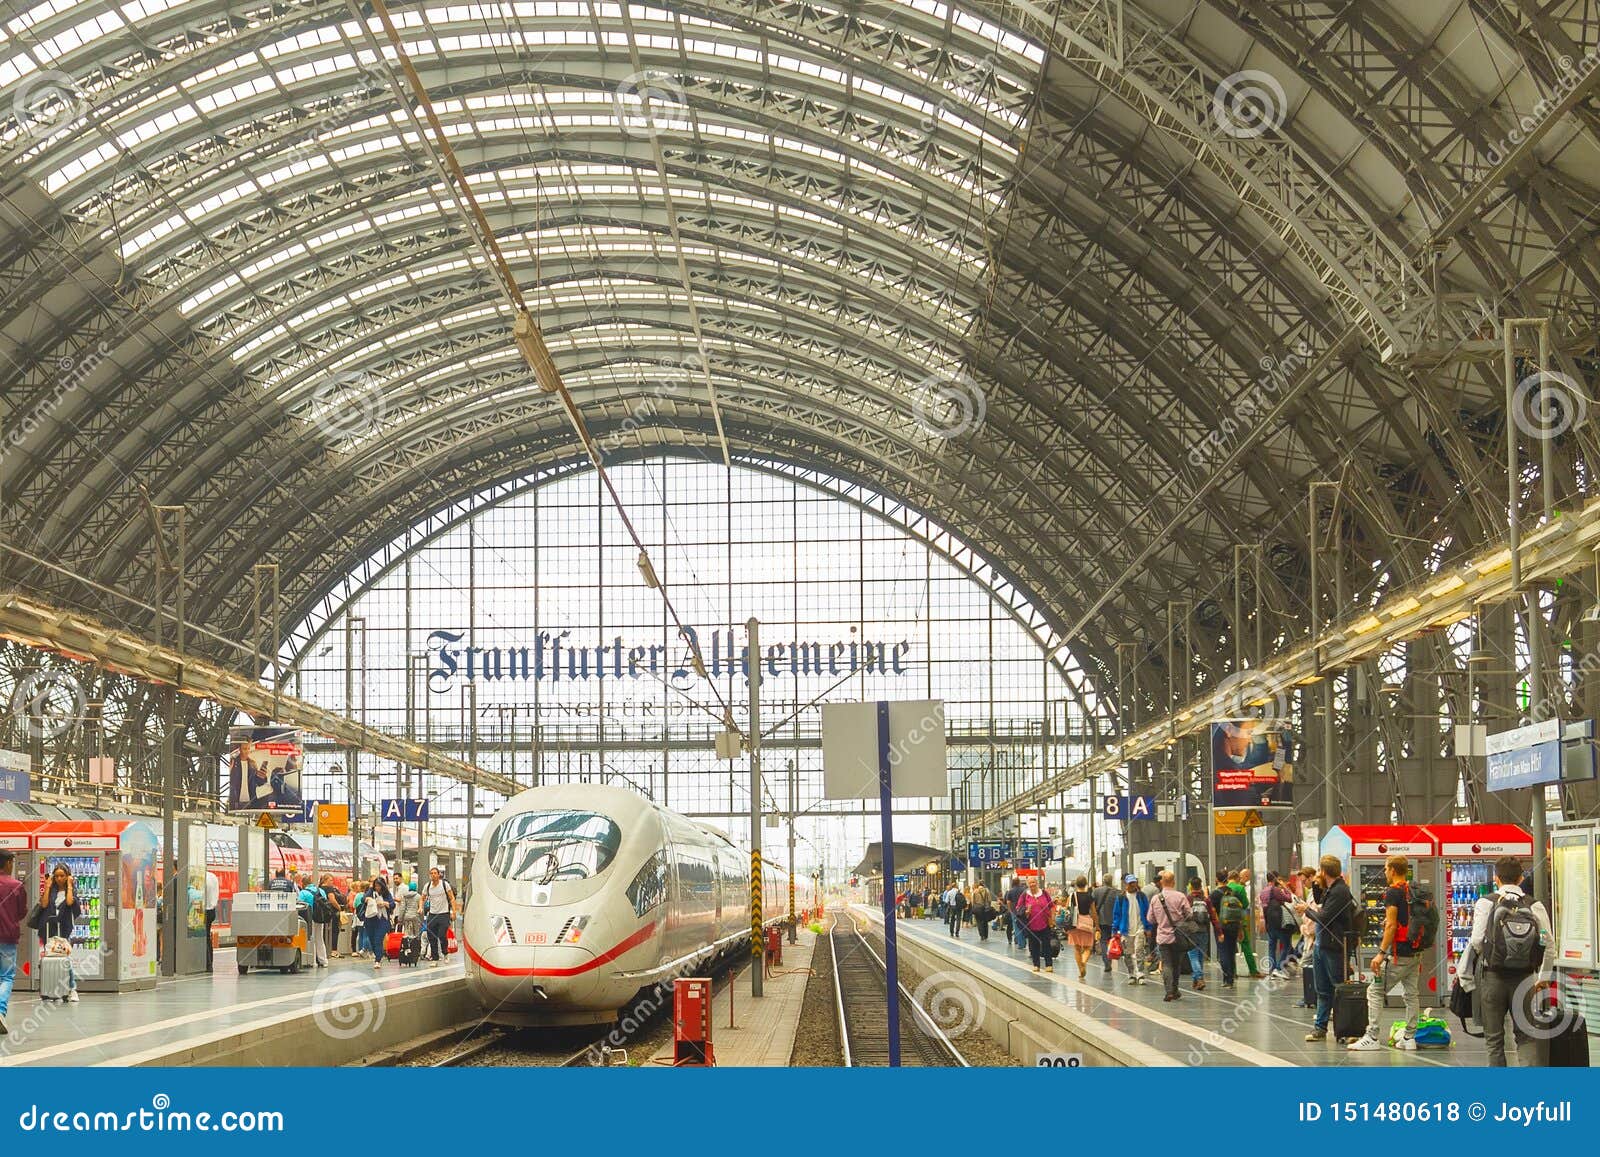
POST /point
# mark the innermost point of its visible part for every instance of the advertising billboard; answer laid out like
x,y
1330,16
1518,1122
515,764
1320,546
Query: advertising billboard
x,y
264,769
1252,764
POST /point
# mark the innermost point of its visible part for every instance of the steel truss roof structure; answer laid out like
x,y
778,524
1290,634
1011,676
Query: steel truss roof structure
x,y
1172,262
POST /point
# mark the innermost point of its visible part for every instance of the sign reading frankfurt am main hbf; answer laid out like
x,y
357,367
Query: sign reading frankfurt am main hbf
x,y
554,657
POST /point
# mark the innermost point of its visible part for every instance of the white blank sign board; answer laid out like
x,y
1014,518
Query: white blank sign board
x,y
916,749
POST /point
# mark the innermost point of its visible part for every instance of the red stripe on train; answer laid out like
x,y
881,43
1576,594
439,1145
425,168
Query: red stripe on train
x,y
633,941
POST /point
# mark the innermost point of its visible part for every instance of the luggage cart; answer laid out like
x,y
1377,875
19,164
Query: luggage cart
x,y
268,931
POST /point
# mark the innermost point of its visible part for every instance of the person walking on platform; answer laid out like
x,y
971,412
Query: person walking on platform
x,y
1034,909
408,912
1507,948
1395,962
316,912
1168,910
1239,885
438,909
13,911
954,905
982,910
1105,901
1130,918
59,900
1225,903
1279,923
1019,926
1202,920
377,903
213,898
1083,925
1336,920
341,909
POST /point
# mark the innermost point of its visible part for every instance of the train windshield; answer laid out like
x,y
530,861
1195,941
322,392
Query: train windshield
x,y
545,847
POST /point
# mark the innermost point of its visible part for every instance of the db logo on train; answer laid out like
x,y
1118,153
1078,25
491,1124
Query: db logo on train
x,y
1058,1061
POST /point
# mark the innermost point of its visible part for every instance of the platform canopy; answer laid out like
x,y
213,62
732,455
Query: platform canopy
x,y
908,859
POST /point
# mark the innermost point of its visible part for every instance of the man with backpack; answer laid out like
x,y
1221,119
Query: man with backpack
x,y
316,912
1336,920
1510,931
1105,899
1405,934
1232,910
955,905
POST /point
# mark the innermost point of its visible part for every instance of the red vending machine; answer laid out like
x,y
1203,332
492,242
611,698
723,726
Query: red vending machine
x,y
113,865
1453,862
1467,853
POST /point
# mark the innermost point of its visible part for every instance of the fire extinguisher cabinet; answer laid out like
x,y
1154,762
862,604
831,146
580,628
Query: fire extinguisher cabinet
x,y
691,1022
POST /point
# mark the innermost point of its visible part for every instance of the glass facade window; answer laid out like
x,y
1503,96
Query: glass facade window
x,y
522,634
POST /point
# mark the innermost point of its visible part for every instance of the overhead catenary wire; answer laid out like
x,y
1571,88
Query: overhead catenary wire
x,y
526,332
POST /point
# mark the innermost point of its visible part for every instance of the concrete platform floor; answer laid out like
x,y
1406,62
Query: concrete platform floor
x,y
112,1028
1214,1027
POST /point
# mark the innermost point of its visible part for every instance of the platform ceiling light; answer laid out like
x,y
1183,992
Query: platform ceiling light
x,y
647,571
1367,625
1404,607
1496,561
1447,585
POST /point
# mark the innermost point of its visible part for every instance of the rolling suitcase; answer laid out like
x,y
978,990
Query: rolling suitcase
x,y
55,977
1560,1044
1349,1010
410,950
391,946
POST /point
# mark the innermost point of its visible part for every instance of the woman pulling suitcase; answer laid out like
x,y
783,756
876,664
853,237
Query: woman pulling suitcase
x,y
58,913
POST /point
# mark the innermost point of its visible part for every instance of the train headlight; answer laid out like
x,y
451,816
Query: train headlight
x,y
572,931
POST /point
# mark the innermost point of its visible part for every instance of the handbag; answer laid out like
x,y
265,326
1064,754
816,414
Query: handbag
x,y
1114,949
1286,918
1461,1005
35,918
1085,921
1180,934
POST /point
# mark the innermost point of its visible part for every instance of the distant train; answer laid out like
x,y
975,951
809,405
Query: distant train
x,y
583,895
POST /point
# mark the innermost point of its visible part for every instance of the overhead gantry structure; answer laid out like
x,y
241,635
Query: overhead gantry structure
x,y
1101,288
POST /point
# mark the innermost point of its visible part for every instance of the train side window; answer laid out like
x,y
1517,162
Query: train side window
x,y
649,887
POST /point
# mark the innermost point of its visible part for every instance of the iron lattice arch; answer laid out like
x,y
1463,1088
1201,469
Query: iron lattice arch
x,y
217,218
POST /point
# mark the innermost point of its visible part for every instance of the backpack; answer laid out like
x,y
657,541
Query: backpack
x,y
1512,941
1197,923
1422,916
1233,909
321,910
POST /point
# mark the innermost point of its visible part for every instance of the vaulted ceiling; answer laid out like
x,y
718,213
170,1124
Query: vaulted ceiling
x,y
1101,285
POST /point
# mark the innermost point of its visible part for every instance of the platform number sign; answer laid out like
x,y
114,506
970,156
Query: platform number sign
x,y
1058,1061
1121,808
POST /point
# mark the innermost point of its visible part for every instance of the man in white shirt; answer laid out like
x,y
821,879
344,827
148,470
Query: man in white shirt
x,y
213,899
1507,950
438,907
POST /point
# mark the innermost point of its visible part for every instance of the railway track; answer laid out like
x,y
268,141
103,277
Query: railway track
x,y
508,1041
859,984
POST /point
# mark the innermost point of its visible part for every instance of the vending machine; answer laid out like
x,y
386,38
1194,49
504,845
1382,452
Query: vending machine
x,y
1452,863
113,865
1467,853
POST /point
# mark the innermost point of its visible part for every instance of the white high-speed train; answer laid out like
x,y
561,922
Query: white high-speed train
x,y
582,895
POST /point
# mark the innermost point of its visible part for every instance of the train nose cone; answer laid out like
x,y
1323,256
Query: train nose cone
x,y
560,976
